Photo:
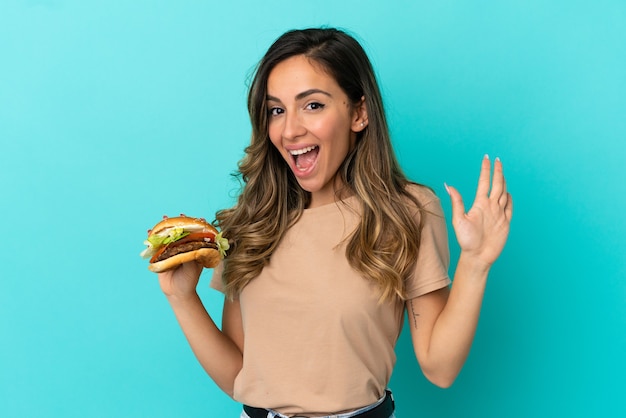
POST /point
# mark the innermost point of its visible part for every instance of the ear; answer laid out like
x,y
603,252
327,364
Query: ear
x,y
359,117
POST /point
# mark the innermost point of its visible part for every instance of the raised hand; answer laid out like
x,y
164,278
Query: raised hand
x,y
483,230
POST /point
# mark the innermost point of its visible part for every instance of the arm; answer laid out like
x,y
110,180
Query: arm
x,y
443,323
219,352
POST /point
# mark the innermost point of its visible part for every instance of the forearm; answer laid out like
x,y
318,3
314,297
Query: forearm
x,y
217,353
454,329
450,317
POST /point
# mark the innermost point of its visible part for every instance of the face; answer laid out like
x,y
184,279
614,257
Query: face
x,y
313,124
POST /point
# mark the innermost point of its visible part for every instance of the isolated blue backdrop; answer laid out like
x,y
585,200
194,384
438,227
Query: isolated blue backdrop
x,y
113,113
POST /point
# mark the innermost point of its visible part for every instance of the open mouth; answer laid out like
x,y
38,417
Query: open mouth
x,y
304,158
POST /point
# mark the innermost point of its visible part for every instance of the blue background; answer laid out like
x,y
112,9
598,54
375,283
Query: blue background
x,y
113,113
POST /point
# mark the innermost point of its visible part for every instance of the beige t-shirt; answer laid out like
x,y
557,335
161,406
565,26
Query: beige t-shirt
x,y
316,340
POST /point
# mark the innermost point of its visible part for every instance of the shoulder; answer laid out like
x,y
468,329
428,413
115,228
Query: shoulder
x,y
424,196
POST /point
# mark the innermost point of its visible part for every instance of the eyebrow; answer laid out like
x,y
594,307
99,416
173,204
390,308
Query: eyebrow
x,y
302,95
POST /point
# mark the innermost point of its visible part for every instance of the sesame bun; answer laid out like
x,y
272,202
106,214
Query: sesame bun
x,y
186,222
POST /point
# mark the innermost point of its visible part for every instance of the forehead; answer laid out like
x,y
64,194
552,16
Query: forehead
x,y
297,73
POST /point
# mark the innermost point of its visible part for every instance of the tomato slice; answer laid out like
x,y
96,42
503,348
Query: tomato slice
x,y
158,253
195,236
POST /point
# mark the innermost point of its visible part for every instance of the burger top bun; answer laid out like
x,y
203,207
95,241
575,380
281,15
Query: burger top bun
x,y
207,257
182,221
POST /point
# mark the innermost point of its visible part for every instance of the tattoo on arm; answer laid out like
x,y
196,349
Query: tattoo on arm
x,y
415,315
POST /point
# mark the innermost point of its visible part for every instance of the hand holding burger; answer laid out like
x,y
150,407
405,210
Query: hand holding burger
x,y
177,240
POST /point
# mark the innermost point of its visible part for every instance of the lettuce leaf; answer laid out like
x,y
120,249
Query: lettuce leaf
x,y
222,244
156,241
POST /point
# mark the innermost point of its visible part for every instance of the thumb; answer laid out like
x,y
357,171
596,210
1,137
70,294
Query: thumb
x,y
458,208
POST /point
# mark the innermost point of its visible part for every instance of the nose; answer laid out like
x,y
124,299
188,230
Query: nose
x,y
292,126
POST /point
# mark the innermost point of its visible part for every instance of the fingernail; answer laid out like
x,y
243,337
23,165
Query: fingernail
x,y
447,188
497,158
486,157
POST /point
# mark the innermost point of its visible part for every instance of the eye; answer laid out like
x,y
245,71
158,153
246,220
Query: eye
x,y
315,106
275,111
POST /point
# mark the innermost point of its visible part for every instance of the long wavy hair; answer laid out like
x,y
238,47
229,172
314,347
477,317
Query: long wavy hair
x,y
385,244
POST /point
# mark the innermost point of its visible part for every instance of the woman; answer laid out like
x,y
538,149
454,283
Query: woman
x,y
330,243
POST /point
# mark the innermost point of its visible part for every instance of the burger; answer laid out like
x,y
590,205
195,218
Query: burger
x,y
177,240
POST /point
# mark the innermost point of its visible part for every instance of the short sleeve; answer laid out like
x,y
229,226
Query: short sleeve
x,y
216,279
431,269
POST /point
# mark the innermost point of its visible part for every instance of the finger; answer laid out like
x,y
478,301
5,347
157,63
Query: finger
x,y
192,269
484,178
458,208
504,199
504,195
498,187
508,209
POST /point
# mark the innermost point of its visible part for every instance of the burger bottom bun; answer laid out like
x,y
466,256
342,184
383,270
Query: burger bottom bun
x,y
207,257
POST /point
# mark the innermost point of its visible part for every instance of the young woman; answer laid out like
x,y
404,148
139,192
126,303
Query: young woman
x,y
331,243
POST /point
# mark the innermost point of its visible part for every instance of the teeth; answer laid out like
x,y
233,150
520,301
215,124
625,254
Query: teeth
x,y
302,151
